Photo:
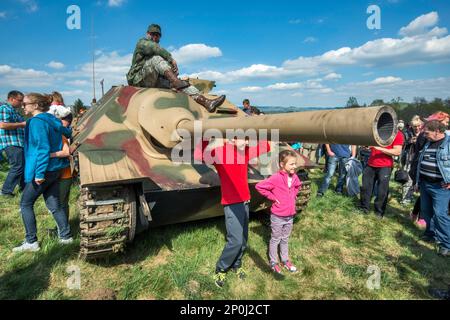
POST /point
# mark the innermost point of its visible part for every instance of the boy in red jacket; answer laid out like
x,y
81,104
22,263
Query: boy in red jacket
x,y
231,162
281,188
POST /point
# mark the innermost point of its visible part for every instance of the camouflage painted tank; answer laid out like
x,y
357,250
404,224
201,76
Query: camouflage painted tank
x,y
129,181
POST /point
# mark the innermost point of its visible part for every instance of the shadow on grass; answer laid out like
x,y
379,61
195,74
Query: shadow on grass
x,y
32,277
423,258
29,281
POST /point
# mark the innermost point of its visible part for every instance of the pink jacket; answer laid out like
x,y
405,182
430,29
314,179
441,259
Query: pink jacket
x,y
276,188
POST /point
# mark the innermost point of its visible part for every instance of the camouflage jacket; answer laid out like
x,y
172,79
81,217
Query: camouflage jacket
x,y
145,49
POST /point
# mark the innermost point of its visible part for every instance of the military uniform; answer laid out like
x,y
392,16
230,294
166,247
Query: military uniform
x,y
152,68
150,62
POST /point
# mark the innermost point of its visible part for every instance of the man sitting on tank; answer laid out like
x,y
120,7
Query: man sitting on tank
x,y
154,67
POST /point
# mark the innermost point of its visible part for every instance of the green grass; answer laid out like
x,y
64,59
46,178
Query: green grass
x,y
332,244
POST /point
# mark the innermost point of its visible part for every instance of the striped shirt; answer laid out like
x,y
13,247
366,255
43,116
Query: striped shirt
x,y
429,170
14,137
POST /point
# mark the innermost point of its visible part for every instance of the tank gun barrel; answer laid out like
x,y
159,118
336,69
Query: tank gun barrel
x,y
360,126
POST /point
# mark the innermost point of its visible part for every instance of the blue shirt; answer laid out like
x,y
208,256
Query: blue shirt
x,y
14,137
341,150
43,135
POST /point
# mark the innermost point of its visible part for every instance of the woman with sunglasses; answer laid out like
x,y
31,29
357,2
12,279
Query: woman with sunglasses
x,y
43,135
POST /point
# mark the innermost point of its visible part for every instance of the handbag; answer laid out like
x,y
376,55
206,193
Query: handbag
x,y
401,176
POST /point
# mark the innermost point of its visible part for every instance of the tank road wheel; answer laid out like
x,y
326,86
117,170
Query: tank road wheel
x,y
304,193
107,220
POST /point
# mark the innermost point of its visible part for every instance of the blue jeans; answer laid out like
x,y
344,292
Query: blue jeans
x,y
434,210
331,168
15,175
236,223
50,190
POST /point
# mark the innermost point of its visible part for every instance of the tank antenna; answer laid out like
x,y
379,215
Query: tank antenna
x,y
94,100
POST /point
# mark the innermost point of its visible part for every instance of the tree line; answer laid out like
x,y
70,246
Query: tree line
x,y
406,110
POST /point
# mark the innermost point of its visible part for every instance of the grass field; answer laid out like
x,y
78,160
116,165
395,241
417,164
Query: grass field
x,y
332,244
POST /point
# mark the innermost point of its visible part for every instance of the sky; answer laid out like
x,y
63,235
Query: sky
x,y
275,53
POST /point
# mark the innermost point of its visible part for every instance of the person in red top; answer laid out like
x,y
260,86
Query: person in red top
x,y
231,162
379,168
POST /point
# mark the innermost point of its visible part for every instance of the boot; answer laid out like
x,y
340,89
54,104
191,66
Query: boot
x,y
209,104
175,83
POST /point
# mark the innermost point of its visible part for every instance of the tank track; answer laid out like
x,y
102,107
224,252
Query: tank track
x,y
107,220
304,194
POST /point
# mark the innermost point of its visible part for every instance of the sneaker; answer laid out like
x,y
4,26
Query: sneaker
x,y
275,267
25,246
444,252
427,238
413,217
319,194
422,223
7,195
362,210
289,266
66,241
240,273
219,279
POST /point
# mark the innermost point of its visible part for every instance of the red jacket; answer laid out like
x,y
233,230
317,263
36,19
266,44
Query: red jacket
x,y
232,166
276,189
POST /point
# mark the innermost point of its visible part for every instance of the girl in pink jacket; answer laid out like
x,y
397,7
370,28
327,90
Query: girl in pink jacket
x,y
281,188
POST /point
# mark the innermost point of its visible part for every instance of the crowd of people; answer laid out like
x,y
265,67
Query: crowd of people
x,y
38,153
37,150
422,151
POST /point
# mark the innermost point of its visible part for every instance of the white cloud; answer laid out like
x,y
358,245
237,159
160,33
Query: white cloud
x,y
251,89
5,69
211,75
422,48
297,94
386,80
2,14
78,83
253,72
406,89
111,66
333,76
286,86
55,65
310,40
115,3
420,24
311,84
431,47
195,52
325,90
73,93
30,5
17,77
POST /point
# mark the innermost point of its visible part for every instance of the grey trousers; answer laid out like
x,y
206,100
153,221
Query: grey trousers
x,y
281,230
153,75
236,223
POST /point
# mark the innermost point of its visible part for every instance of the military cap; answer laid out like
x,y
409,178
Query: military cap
x,y
154,28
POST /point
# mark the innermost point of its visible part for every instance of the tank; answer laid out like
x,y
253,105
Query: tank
x,y
123,151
